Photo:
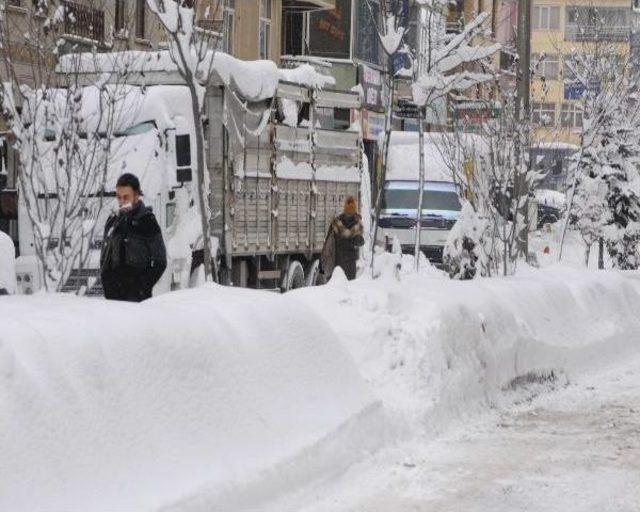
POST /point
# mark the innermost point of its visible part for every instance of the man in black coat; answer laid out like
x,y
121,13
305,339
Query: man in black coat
x,y
133,254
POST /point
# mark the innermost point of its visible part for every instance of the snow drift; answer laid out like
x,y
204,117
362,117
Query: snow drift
x,y
436,350
193,398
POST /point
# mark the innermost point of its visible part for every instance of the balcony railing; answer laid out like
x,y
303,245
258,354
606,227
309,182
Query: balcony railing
x,y
605,33
83,21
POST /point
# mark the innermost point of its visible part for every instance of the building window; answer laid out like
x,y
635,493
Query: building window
x,y
569,66
119,22
570,115
546,17
83,21
548,67
265,29
140,14
543,114
229,25
610,24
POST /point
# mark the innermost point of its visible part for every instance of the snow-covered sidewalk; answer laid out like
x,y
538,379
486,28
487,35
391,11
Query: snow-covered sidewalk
x,y
255,401
574,448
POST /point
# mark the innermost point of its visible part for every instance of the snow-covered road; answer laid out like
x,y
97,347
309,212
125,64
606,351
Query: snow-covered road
x,y
575,447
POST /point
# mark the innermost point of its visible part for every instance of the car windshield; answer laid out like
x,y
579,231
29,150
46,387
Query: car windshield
x,y
407,199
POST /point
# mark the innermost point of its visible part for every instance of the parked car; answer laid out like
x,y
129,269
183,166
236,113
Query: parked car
x,y
551,206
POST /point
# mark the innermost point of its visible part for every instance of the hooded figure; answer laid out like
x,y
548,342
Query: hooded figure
x,y
133,254
343,241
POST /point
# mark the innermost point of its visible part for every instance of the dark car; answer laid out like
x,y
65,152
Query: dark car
x,y
548,215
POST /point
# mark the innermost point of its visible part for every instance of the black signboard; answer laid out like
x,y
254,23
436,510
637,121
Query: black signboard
x,y
330,32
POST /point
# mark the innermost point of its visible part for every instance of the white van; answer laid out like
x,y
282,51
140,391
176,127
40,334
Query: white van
x,y
441,195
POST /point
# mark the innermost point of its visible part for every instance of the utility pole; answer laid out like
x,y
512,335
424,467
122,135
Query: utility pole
x,y
522,119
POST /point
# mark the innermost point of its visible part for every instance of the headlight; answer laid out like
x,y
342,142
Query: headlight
x,y
19,278
27,278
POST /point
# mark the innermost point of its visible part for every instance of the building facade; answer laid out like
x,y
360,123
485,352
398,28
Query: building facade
x,y
558,27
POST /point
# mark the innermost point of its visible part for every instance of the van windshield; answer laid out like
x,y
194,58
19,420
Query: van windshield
x,y
407,199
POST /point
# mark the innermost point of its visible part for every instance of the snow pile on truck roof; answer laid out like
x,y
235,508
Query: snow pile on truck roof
x,y
442,153
306,75
211,394
253,80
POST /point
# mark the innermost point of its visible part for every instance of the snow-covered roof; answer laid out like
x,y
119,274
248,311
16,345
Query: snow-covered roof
x,y
403,162
551,198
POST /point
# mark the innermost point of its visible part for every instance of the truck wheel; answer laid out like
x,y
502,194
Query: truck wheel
x,y
294,278
313,274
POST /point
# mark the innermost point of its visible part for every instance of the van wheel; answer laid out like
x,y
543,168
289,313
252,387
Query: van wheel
x,y
294,278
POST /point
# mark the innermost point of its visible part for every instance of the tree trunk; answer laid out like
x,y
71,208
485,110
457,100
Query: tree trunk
x,y
601,254
383,170
587,255
202,182
420,187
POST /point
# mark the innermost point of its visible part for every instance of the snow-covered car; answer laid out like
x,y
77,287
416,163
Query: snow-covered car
x,y
551,206
7,265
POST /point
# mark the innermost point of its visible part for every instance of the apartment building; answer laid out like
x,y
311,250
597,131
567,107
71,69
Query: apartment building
x,y
558,26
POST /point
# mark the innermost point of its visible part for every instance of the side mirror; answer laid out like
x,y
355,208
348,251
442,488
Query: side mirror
x,y
184,175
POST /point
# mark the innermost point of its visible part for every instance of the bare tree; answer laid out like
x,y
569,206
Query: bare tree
x,y
63,131
488,167
439,69
193,52
390,28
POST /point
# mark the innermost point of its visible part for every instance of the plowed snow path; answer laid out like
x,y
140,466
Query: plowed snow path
x,y
572,450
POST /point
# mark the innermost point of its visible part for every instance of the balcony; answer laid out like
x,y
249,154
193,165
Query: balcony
x,y
308,5
605,33
83,21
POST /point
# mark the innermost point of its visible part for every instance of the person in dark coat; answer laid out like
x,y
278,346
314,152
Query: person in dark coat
x,y
343,241
133,254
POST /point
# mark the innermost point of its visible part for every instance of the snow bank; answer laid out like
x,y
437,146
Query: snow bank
x,y
435,349
7,263
193,398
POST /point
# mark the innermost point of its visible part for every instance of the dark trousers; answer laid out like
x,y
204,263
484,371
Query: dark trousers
x,y
126,285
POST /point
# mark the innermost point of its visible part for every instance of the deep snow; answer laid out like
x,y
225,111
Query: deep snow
x,y
231,399
177,403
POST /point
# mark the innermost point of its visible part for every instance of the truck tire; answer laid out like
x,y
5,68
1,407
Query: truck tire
x,y
294,278
313,274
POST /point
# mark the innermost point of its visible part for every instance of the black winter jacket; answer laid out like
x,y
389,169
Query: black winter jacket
x,y
133,255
